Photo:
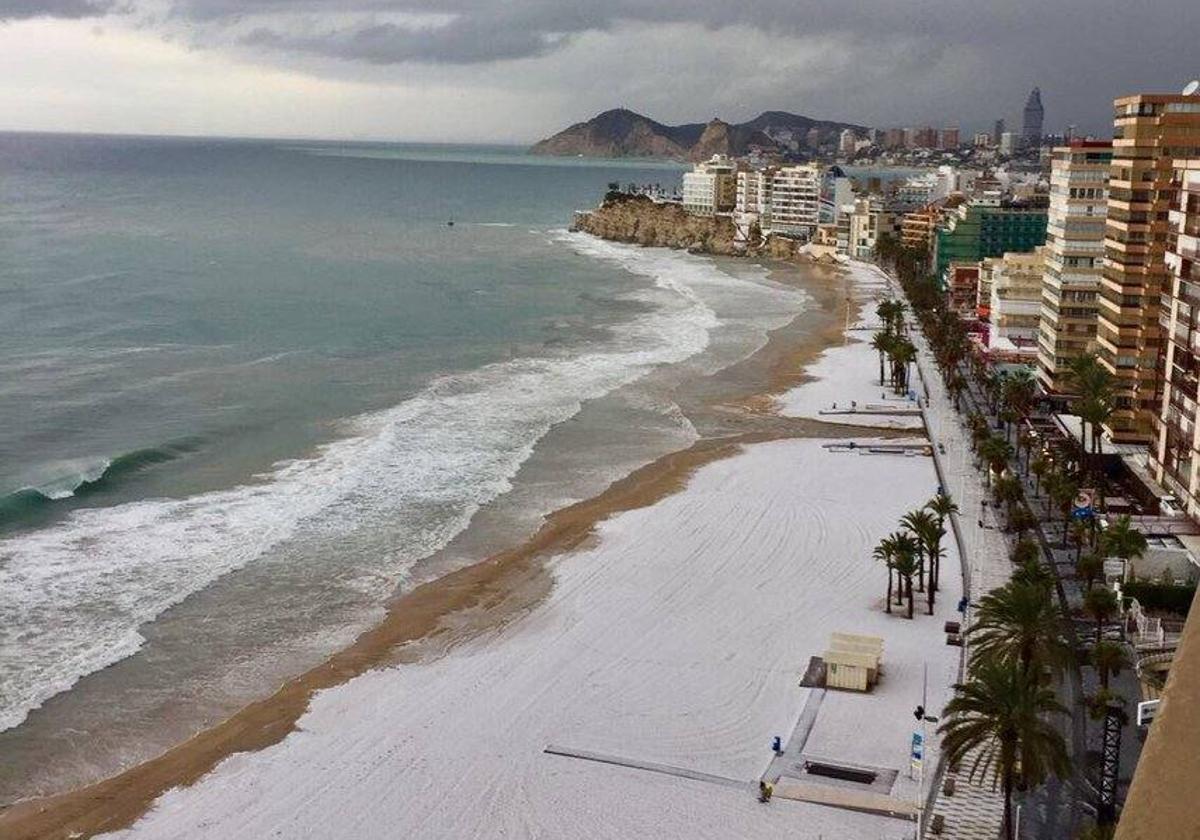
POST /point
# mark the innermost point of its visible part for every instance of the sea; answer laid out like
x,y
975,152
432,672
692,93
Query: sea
x,y
252,389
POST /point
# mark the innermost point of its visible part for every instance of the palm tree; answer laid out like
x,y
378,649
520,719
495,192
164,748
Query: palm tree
x,y
1079,535
882,342
1039,468
1034,573
924,526
1063,491
886,551
1000,715
1089,568
1008,492
1018,391
1022,520
942,505
1120,539
1100,604
996,452
955,384
1025,551
1108,658
906,564
903,354
1096,388
1020,624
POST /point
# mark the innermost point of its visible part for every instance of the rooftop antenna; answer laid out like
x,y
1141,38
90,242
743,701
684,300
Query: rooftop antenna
x,y
1191,87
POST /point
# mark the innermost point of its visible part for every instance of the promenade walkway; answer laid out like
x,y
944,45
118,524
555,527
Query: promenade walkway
x,y
975,810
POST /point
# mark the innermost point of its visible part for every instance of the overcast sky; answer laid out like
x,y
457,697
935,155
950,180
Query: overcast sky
x,y
517,70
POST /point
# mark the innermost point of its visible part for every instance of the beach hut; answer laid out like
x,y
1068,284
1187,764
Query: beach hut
x,y
853,662
849,669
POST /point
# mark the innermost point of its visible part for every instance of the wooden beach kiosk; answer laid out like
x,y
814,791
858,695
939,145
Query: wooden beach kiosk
x,y
853,663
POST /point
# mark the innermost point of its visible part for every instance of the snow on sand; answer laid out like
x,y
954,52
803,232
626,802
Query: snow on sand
x,y
845,386
679,638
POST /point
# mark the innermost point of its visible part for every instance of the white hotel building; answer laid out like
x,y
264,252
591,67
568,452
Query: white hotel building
x,y
709,188
784,200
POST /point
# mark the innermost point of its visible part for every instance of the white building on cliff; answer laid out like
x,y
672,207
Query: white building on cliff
x,y
710,187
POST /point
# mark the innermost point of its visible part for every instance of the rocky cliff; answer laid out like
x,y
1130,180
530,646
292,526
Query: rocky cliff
x,y
721,138
639,220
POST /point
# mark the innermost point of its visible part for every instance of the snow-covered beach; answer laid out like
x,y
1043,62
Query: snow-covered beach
x,y
677,637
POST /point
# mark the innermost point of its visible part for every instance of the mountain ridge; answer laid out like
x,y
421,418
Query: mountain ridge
x,y
620,132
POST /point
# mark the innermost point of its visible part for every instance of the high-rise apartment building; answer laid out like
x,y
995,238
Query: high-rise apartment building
x,y
949,139
988,227
1031,127
1174,450
847,142
796,200
784,200
1074,258
711,186
1014,296
998,130
1150,132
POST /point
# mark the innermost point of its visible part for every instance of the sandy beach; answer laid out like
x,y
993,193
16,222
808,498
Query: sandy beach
x,y
672,633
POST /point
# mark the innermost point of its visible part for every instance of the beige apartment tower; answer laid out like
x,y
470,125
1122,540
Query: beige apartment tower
x,y
1173,455
1150,132
1074,258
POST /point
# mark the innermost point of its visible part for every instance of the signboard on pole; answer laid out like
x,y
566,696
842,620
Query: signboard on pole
x,y
917,751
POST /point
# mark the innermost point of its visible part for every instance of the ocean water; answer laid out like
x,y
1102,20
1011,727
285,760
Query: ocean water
x,y
251,389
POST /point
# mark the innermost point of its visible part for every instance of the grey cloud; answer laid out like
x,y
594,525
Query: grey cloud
x,y
23,9
465,41
904,60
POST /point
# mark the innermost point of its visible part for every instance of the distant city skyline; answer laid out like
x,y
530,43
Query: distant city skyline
x,y
518,70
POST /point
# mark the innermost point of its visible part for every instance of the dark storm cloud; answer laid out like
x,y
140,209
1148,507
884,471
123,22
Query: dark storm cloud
x,y
22,9
890,61
530,27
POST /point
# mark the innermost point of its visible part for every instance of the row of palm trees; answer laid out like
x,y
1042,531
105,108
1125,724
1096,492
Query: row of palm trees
x,y
1001,718
893,344
915,551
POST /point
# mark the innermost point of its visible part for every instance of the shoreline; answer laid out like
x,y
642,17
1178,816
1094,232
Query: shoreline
x,y
472,601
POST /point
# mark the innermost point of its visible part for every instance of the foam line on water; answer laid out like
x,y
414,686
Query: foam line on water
x,y
83,587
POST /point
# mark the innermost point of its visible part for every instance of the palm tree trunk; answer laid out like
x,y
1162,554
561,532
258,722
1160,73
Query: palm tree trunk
x,y
921,571
1008,790
910,596
889,594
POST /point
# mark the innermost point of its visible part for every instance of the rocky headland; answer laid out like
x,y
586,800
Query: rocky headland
x,y
639,220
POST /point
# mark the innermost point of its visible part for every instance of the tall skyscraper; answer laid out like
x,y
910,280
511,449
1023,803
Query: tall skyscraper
x,y
1150,131
1031,130
998,129
1074,257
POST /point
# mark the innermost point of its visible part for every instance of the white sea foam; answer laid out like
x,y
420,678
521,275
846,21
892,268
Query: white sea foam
x,y
77,593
